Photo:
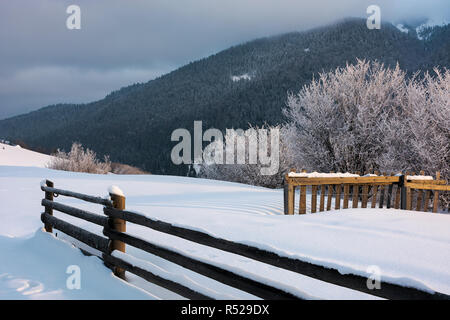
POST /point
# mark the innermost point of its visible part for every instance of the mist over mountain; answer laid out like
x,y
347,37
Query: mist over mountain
x,y
244,84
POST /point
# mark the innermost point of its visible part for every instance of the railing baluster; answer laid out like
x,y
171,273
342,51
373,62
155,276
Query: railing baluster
x,y
313,199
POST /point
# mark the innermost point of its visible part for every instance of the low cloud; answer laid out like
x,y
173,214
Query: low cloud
x,y
34,87
122,42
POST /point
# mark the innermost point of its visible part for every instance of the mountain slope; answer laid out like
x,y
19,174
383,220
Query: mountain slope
x,y
245,84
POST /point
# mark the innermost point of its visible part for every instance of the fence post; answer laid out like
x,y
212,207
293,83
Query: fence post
x,y
401,185
120,226
48,210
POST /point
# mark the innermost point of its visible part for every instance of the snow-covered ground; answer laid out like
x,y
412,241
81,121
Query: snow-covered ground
x,y
408,247
17,156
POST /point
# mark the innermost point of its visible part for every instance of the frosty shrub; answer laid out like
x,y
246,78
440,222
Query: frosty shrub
x,y
245,172
79,160
119,168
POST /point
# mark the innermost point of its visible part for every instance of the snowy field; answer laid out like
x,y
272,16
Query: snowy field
x,y
410,248
17,156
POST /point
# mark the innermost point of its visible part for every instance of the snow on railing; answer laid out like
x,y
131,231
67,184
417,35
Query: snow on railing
x,y
394,190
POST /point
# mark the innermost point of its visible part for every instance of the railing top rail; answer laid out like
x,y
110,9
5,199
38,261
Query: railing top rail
x,y
341,180
422,186
81,196
438,182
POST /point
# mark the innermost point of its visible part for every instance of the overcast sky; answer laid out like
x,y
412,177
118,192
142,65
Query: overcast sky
x,y
126,41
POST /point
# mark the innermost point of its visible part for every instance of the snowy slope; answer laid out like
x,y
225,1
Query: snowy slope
x,y
423,30
17,156
410,248
35,268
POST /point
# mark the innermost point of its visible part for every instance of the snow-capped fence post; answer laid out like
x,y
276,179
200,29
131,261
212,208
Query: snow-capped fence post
x,y
119,225
49,210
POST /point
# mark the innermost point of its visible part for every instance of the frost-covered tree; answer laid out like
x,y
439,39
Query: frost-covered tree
x,y
79,160
337,122
421,139
248,166
429,125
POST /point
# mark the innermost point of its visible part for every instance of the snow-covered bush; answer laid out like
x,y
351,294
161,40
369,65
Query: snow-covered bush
x,y
247,171
119,168
79,160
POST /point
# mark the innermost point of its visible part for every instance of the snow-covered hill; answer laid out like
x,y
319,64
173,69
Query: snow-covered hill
x,y
422,30
425,30
17,156
411,248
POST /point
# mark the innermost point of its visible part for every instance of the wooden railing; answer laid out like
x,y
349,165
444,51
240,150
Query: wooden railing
x,y
391,191
115,238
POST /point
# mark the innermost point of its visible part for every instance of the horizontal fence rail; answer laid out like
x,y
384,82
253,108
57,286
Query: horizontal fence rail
x,y
75,212
114,229
77,195
389,291
89,238
224,276
150,277
394,191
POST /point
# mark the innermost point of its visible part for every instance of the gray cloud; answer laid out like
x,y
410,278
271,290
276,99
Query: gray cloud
x,y
122,42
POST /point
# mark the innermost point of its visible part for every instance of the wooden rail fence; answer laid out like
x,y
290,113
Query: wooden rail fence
x,y
393,191
115,238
